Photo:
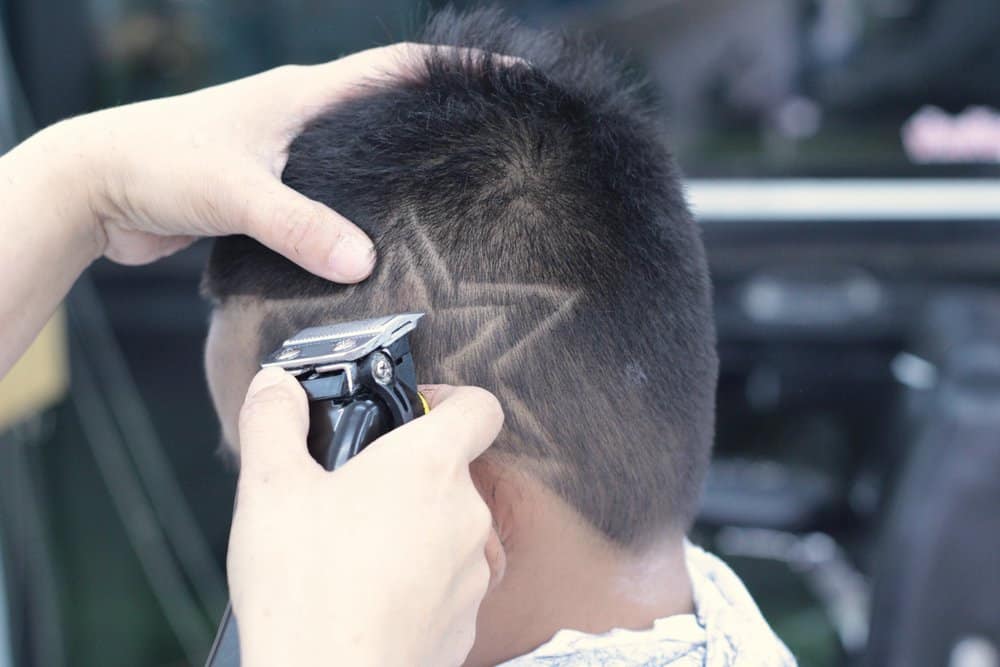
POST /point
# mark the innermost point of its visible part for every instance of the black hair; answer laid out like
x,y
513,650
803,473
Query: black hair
x,y
530,207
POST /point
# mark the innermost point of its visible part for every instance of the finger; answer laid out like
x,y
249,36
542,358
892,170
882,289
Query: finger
x,y
466,420
384,62
435,393
274,422
496,557
311,89
305,231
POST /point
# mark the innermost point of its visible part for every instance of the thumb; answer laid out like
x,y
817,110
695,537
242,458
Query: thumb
x,y
305,231
274,422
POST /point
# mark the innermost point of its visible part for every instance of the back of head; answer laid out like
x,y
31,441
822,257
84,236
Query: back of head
x,y
532,211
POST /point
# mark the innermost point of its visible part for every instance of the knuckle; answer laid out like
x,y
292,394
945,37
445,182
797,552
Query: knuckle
x,y
300,226
216,204
242,208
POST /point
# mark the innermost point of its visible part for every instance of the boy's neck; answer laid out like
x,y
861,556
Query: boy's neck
x,y
561,574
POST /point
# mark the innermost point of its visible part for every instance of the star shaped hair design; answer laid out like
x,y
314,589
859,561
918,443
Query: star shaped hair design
x,y
493,325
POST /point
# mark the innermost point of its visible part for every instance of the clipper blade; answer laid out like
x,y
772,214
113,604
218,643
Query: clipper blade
x,y
340,343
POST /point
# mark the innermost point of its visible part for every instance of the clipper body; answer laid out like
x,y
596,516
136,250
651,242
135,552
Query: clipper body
x,y
368,390
361,383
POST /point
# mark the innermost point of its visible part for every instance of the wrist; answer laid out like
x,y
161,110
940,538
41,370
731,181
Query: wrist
x,y
60,163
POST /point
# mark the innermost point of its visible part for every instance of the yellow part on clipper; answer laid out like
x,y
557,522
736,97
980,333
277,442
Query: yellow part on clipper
x,y
423,402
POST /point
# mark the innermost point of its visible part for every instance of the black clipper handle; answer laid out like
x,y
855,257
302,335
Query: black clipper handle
x,y
339,429
338,432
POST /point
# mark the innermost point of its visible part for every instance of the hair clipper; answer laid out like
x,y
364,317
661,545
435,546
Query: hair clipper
x,y
361,383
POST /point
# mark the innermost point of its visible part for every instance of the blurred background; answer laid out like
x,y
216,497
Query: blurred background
x,y
842,156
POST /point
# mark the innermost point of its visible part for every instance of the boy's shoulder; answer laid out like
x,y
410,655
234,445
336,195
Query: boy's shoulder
x,y
726,630
736,633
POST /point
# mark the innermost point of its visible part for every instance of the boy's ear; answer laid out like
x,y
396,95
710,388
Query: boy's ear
x,y
498,486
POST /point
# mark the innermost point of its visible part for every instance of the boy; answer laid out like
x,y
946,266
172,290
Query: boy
x,y
530,209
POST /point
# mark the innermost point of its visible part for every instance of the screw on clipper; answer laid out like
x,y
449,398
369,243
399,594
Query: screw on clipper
x,y
382,368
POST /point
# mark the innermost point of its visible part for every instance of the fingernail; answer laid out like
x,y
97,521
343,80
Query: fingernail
x,y
264,379
352,258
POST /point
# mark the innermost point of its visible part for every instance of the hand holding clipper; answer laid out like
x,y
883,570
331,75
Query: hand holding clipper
x,y
384,559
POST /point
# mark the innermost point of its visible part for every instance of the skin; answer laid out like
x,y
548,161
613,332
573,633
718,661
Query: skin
x,y
554,571
136,183
315,556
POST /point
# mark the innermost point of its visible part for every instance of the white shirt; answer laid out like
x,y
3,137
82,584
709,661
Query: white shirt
x,y
726,630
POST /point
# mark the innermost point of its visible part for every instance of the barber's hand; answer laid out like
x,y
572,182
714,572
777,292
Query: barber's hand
x,y
139,182
209,163
383,562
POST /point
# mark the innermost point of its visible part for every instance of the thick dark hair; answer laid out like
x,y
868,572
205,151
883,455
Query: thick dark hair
x,y
533,212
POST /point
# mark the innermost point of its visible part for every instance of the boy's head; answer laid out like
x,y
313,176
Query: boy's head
x,y
533,213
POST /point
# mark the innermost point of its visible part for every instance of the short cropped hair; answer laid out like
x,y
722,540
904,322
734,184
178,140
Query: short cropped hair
x,y
533,212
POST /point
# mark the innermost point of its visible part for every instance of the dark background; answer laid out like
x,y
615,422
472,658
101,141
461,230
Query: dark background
x,y
858,363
